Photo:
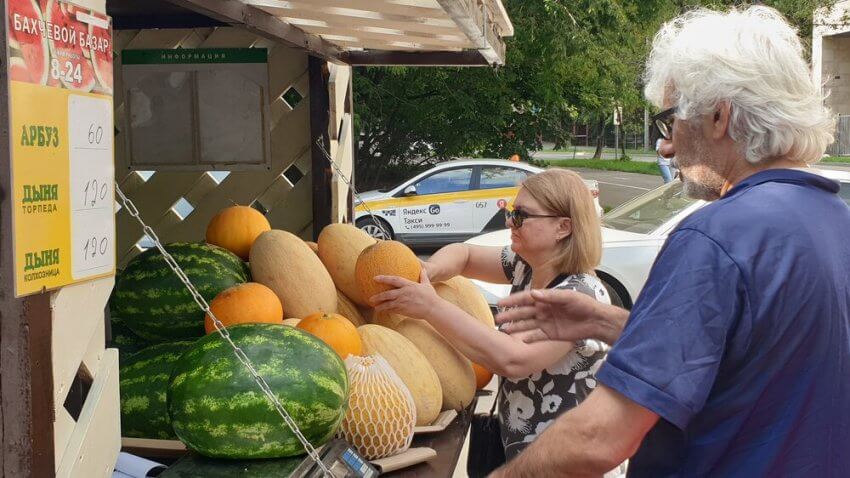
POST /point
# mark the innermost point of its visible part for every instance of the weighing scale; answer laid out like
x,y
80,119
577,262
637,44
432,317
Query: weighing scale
x,y
341,458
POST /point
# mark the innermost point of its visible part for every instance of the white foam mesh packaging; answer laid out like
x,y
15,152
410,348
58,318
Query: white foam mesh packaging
x,y
381,412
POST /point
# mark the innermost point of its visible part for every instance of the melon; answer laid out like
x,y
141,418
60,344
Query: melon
x,y
75,68
291,322
411,366
346,308
461,292
388,258
339,247
457,377
29,55
218,410
381,413
244,304
285,264
387,319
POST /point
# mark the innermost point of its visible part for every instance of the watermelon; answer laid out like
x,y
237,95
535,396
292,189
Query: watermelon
x,y
218,410
193,466
76,71
124,339
156,305
29,55
143,388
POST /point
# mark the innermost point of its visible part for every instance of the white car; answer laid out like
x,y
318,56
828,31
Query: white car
x,y
632,235
450,202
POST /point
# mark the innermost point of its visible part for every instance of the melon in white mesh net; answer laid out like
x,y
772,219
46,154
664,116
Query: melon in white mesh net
x,y
381,412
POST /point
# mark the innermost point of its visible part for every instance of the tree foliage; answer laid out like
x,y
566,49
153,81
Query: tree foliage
x,y
570,61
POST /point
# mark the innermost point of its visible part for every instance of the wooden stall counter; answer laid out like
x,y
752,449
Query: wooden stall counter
x,y
447,444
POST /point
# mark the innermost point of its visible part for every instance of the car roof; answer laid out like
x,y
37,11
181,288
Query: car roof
x,y
836,174
486,162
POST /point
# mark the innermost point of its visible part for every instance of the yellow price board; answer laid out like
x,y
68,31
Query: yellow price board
x,y
61,131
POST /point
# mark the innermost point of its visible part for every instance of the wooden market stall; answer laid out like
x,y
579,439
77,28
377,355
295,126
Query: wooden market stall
x,y
59,384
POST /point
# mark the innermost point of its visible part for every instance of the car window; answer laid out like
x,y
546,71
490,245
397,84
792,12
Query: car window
x,y
647,213
449,181
845,192
493,177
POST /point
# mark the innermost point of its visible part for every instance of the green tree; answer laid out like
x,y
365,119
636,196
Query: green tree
x,y
570,61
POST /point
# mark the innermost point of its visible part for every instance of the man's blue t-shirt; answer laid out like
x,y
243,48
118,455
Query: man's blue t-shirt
x,y
740,340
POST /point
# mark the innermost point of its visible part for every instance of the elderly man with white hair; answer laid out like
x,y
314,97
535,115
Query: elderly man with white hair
x,y
735,360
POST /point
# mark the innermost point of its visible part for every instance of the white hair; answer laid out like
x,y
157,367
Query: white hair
x,y
753,60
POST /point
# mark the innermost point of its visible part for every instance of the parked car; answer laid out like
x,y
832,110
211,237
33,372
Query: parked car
x,y
632,235
450,202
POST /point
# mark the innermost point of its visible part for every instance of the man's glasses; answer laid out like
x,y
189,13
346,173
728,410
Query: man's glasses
x,y
664,122
518,216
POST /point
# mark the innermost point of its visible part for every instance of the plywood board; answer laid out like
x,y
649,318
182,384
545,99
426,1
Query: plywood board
x,y
96,439
78,325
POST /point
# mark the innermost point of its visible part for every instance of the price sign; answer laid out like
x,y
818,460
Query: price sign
x,y
60,72
91,184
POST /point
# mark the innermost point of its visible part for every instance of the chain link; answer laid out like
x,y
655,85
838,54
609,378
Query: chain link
x,y
224,333
379,222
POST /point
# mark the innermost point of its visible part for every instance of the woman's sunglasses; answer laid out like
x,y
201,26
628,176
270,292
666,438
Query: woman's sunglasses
x,y
518,216
664,122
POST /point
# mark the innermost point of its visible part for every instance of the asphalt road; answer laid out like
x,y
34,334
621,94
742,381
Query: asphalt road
x,y
617,187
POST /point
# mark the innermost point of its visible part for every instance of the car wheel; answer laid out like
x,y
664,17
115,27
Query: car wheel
x,y
616,298
376,228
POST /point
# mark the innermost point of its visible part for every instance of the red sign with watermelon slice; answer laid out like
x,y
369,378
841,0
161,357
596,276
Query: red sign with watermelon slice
x,y
59,44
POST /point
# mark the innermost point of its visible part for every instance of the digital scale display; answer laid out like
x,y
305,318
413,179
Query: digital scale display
x,y
341,459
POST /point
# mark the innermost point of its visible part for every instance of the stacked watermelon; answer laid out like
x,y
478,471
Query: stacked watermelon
x,y
154,303
154,319
144,385
218,410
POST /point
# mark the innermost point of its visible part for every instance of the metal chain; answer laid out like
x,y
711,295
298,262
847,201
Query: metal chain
x,y
379,222
224,333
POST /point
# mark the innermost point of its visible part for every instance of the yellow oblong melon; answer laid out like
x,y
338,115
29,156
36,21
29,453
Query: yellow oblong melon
x,y
410,364
285,264
339,247
346,308
387,319
457,377
461,292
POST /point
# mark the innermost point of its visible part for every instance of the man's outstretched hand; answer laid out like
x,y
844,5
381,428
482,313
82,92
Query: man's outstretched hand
x,y
559,314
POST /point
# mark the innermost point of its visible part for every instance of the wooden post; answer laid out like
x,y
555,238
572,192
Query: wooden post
x,y
317,72
26,377
355,135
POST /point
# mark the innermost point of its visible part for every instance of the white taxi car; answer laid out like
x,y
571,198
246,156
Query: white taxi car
x,y
450,202
632,235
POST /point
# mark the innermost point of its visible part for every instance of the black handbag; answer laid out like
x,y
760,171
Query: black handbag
x,y
486,452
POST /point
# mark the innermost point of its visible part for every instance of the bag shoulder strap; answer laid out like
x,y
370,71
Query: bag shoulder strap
x,y
496,398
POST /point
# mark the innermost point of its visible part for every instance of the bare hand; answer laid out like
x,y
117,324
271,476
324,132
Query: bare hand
x,y
549,314
409,298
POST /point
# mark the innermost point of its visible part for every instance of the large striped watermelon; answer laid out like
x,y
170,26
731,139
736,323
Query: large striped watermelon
x,y
123,339
143,387
157,306
218,410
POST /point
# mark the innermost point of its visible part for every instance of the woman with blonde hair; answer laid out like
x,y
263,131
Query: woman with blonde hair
x,y
555,243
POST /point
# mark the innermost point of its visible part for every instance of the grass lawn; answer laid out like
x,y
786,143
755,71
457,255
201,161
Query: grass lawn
x,y
608,165
585,149
835,159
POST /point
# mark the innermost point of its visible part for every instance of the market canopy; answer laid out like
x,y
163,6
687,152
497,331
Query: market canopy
x,y
356,32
